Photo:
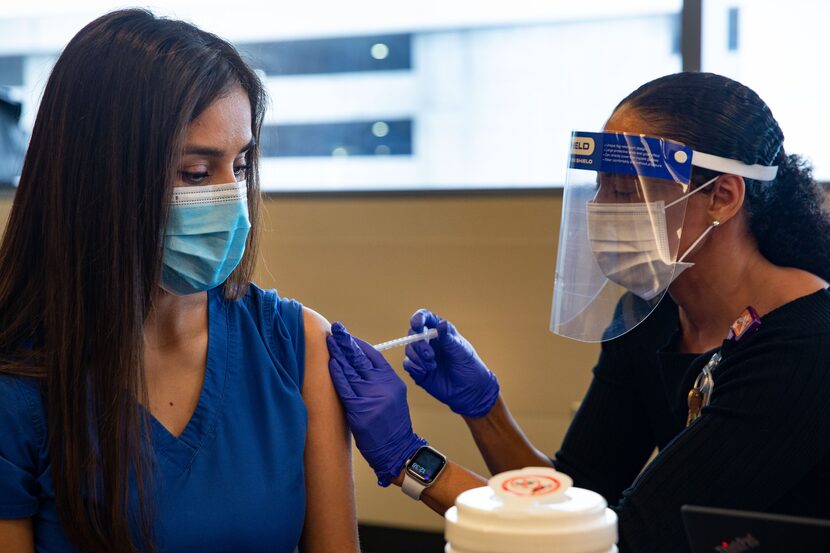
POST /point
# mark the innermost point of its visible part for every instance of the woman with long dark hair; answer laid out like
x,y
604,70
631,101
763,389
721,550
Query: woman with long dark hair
x,y
151,397
698,252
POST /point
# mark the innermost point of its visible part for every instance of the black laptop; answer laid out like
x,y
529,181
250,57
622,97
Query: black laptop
x,y
713,530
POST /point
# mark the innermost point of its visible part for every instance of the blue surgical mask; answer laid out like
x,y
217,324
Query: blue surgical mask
x,y
205,237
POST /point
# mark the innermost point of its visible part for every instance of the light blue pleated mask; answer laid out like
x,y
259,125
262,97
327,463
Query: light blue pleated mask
x,y
205,237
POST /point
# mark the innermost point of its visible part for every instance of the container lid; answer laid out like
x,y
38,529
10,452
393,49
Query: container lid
x,y
529,510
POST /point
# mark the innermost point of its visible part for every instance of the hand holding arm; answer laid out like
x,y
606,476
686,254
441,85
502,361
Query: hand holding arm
x,y
376,409
375,402
374,398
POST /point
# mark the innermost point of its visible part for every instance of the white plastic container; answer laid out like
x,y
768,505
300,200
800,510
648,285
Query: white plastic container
x,y
533,510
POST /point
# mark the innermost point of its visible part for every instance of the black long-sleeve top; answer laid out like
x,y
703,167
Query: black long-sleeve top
x,y
762,444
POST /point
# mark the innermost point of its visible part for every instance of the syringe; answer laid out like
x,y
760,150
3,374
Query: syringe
x,y
427,335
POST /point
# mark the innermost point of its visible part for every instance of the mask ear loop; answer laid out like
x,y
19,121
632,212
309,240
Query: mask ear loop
x,y
695,191
705,232
700,238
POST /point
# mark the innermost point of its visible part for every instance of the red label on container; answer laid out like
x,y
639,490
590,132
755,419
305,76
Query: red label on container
x,y
531,485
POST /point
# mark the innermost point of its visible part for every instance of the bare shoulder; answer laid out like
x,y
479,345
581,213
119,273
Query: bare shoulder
x,y
316,352
316,327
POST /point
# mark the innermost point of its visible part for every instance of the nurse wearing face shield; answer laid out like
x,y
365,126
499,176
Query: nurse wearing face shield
x,y
698,253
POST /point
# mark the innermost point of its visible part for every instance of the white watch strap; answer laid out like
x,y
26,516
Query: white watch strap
x,y
412,487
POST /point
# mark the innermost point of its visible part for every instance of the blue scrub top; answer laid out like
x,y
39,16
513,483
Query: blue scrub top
x,y
233,480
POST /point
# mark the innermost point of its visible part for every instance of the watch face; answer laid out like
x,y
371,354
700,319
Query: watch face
x,y
426,465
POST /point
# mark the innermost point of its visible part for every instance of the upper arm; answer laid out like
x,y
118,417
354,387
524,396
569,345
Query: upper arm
x,y
330,514
16,535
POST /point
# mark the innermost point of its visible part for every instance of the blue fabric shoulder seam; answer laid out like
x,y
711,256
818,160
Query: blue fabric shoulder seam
x,y
268,304
34,412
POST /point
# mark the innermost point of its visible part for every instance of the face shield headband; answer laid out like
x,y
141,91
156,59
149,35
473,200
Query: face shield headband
x,y
656,157
622,219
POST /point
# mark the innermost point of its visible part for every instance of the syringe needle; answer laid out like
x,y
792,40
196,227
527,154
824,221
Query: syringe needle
x,y
426,335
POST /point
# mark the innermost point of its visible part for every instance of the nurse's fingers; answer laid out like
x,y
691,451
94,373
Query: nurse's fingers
x,y
447,334
423,318
340,380
342,373
352,352
416,371
374,356
421,352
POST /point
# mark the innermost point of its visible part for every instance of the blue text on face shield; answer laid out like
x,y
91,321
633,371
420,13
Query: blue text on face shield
x,y
631,154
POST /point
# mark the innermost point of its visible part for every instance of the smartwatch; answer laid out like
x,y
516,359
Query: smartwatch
x,y
421,471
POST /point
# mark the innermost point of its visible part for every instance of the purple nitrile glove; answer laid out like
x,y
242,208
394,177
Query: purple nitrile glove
x,y
374,398
449,368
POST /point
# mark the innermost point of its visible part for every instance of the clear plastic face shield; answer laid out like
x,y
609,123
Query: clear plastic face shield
x,y
622,218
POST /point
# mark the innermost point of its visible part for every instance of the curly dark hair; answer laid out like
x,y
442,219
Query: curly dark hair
x,y
717,115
